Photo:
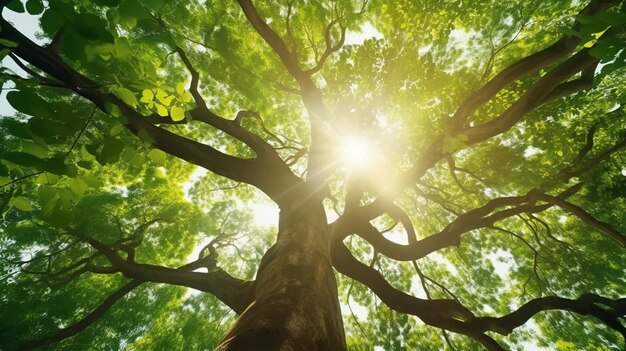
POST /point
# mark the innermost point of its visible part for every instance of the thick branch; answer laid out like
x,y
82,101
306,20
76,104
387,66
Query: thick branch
x,y
232,291
538,92
606,310
451,315
251,171
525,66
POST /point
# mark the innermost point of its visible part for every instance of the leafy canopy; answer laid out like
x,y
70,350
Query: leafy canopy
x,y
492,176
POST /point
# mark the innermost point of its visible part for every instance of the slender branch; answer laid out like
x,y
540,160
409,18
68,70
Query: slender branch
x,y
21,178
42,80
288,59
86,321
586,217
330,48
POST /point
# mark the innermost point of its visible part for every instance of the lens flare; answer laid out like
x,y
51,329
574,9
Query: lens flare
x,y
355,152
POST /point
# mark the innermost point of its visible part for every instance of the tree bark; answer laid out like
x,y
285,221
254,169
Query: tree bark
x,y
295,304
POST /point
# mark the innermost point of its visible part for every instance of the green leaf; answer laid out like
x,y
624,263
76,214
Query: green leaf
x,y
147,96
3,53
56,165
78,186
154,4
46,193
186,97
116,130
145,136
16,6
131,11
8,43
157,156
51,21
73,45
47,178
91,181
161,110
50,130
102,50
34,7
126,95
28,102
177,113
33,148
84,164
164,98
180,88
110,151
112,109
91,27
122,48
22,203
22,159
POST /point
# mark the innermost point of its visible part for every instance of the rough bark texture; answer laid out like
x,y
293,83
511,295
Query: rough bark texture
x,y
295,305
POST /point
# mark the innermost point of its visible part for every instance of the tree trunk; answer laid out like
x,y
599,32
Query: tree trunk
x,y
295,304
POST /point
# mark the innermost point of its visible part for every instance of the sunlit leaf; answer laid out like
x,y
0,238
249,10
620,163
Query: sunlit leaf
x,y
177,113
157,156
22,203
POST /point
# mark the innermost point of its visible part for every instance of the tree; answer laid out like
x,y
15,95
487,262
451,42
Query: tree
x,y
455,170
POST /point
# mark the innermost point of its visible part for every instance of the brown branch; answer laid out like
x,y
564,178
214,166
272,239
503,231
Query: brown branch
x,y
232,291
86,321
524,66
586,217
97,313
606,310
270,180
318,162
538,92
573,86
42,80
330,48
451,315
288,59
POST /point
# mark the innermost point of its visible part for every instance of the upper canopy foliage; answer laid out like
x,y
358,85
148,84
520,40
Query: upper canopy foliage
x,y
494,190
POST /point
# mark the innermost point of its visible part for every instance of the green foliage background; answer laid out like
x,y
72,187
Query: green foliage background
x,y
70,172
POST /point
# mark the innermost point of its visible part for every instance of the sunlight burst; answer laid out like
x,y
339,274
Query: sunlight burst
x,y
355,152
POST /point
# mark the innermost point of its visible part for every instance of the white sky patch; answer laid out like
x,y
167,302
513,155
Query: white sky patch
x,y
382,120
398,236
360,312
624,172
424,49
265,214
460,39
331,215
531,151
501,262
417,289
367,32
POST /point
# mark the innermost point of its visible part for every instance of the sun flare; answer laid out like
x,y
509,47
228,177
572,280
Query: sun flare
x,y
355,152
